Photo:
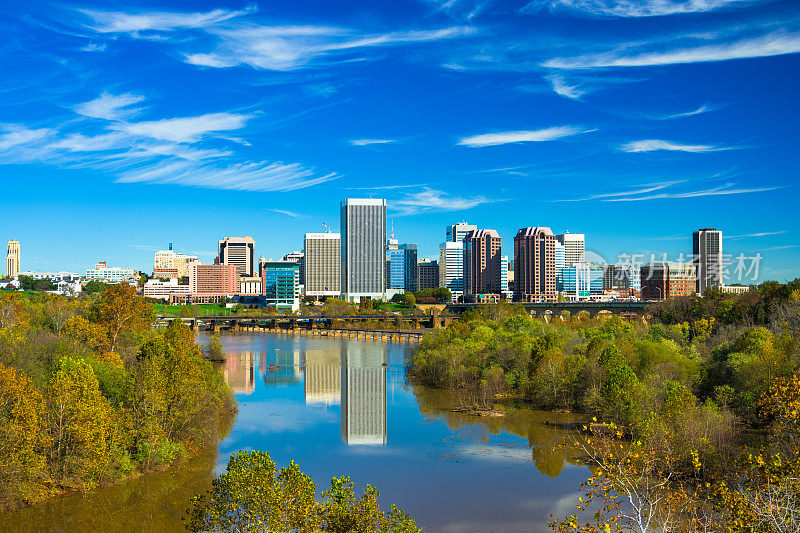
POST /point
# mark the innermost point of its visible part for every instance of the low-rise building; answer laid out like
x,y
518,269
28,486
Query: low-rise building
x,y
581,281
103,272
663,280
251,286
55,277
163,290
733,289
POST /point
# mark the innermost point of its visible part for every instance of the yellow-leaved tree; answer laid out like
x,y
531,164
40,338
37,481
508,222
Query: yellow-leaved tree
x,y
23,466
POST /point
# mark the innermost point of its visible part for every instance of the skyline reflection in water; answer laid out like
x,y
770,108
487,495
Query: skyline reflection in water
x,y
355,379
335,408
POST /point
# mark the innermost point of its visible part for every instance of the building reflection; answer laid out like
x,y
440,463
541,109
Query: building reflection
x,y
240,372
323,377
282,367
363,395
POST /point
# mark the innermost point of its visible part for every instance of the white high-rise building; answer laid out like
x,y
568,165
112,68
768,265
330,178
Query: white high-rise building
x,y
323,264
574,247
240,252
707,258
363,225
451,267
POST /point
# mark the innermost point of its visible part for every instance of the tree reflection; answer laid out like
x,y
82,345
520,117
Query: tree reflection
x,y
548,434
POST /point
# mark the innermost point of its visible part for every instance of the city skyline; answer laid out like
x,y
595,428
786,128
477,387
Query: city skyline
x,y
504,114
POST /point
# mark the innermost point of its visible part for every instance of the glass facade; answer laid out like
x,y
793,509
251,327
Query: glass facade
x,y
281,285
581,280
395,269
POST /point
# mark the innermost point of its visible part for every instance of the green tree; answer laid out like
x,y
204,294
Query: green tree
x,y
26,283
94,287
409,300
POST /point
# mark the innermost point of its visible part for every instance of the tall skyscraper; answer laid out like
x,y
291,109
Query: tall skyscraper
x,y
482,262
13,259
323,260
535,265
363,223
240,252
411,281
574,247
707,258
457,232
451,267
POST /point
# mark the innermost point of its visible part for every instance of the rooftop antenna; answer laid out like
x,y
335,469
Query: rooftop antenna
x,y
392,228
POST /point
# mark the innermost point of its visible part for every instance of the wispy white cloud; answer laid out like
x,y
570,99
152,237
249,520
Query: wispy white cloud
x,y
429,199
385,187
185,129
776,248
749,235
631,8
285,212
772,44
165,151
285,48
560,86
705,108
94,47
108,106
78,142
121,22
723,190
16,135
365,142
634,192
652,145
250,176
507,137
666,190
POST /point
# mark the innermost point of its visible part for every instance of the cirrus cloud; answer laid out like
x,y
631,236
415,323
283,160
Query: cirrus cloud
x,y
510,137
652,145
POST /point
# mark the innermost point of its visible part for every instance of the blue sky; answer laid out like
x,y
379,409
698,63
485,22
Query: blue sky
x,y
124,127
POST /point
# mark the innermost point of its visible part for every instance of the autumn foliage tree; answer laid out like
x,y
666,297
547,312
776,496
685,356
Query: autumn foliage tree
x,y
23,441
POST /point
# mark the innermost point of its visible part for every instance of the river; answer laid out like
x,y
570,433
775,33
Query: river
x,y
333,407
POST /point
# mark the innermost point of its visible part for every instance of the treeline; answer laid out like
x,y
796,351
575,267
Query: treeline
x,y
770,304
694,392
90,393
658,379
